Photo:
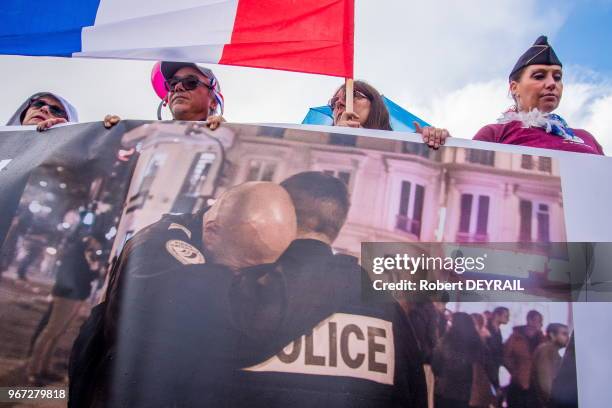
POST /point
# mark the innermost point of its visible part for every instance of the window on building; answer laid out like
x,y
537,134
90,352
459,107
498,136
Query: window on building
x,y
404,198
466,212
419,149
261,170
190,190
273,132
344,175
484,157
525,209
473,218
417,213
410,213
138,199
543,220
534,217
150,173
482,221
342,140
545,164
527,162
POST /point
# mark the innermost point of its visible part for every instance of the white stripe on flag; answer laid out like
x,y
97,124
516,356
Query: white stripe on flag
x,y
186,30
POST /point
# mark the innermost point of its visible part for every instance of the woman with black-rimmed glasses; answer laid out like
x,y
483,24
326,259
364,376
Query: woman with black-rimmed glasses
x,y
370,112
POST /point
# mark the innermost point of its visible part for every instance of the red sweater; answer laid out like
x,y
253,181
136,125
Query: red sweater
x,y
514,133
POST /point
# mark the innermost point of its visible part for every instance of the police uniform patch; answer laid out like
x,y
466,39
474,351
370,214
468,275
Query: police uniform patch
x,y
345,345
184,252
174,225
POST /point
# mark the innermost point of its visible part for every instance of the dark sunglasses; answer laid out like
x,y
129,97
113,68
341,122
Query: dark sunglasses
x,y
356,95
189,83
55,110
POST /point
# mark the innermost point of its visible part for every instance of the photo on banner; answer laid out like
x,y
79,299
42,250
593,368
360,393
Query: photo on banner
x,y
400,192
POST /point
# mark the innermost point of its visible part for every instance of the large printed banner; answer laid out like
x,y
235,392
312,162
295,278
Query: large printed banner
x,y
83,221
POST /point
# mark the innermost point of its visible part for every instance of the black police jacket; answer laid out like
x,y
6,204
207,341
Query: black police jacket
x,y
167,318
344,352
174,240
198,335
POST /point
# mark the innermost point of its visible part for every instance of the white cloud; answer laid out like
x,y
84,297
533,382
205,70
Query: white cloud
x,y
595,112
468,108
414,51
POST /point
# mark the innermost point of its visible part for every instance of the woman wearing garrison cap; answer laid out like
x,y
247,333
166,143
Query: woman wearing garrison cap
x,y
536,85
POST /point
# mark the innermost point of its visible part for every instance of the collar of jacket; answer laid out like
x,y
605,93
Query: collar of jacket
x,y
308,247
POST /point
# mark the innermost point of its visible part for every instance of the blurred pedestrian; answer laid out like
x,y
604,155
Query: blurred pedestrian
x,y
495,343
564,391
429,323
453,361
547,361
519,350
483,393
79,267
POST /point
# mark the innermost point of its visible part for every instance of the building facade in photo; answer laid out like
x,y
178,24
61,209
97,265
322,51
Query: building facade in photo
x,y
400,191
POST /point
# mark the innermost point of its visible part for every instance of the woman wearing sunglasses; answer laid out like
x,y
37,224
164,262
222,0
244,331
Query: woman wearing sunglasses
x,y
44,109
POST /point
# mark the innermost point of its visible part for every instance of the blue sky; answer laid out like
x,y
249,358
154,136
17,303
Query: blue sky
x,y
586,37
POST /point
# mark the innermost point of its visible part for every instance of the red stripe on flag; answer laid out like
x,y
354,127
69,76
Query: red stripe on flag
x,y
314,36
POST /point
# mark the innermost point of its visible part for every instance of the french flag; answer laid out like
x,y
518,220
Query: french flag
x,y
314,36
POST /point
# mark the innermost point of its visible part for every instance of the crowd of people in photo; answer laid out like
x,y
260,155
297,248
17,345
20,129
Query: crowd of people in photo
x,y
251,267
71,252
464,353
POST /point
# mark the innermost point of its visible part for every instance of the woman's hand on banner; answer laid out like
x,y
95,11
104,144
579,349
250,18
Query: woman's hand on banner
x,y
432,136
214,121
46,124
111,120
349,119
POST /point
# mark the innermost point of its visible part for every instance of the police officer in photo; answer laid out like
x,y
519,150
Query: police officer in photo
x,y
132,350
292,332
351,353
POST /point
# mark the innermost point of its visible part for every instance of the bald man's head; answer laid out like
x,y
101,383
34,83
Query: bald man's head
x,y
250,224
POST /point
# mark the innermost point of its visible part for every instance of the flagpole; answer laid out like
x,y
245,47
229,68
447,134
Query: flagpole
x,y
348,92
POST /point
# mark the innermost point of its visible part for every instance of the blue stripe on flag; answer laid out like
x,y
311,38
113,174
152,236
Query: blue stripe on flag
x,y
42,27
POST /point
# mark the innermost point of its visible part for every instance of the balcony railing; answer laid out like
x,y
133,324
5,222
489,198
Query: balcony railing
x,y
407,224
470,237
